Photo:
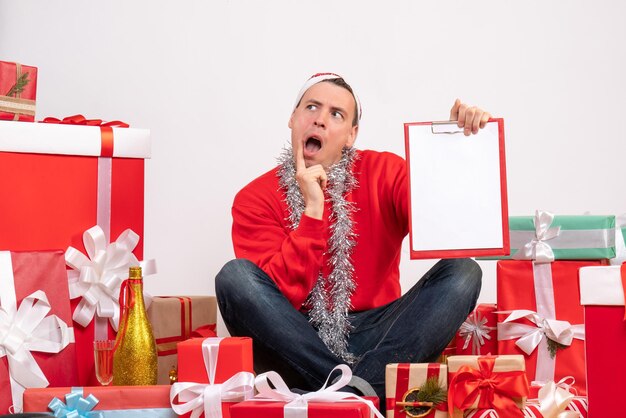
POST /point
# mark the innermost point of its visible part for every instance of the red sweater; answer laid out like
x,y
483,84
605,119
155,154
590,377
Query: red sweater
x,y
293,258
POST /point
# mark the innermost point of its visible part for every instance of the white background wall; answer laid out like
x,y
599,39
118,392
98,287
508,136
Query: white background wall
x,y
215,82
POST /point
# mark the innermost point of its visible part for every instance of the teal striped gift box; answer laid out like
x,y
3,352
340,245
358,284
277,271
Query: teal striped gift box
x,y
545,237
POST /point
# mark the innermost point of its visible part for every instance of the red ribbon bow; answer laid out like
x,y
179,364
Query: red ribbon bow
x,y
81,120
106,129
494,390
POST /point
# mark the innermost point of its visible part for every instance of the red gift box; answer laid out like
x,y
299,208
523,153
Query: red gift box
x,y
477,335
545,299
602,292
212,361
276,400
18,91
403,378
21,275
135,401
59,186
234,355
267,409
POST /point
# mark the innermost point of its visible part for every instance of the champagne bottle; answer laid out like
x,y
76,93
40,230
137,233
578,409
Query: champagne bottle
x,y
135,357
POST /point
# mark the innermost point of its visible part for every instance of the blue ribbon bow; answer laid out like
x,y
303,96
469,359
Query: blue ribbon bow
x,y
75,406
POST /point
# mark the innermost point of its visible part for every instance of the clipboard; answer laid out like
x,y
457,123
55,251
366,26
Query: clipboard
x,y
457,190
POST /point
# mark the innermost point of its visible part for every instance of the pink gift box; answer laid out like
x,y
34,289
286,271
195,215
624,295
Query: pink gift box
x,y
42,271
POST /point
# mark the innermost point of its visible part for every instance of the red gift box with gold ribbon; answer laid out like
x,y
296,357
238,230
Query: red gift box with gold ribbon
x,y
194,313
544,319
36,337
487,382
18,91
403,381
58,180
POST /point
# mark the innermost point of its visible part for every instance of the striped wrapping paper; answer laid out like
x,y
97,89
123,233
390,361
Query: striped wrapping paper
x,y
578,404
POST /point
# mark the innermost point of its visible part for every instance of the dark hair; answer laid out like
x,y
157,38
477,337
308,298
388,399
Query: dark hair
x,y
342,83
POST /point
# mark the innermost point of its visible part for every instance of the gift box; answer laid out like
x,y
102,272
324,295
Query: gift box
x,y
276,400
265,409
173,319
545,237
99,169
234,355
18,91
214,373
477,335
602,294
577,409
110,401
36,338
63,179
484,382
547,322
403,381
620,240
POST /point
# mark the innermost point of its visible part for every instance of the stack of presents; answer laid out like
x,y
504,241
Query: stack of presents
x,y
71,223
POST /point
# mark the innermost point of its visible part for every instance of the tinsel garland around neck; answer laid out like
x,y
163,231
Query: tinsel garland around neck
x,y
329,300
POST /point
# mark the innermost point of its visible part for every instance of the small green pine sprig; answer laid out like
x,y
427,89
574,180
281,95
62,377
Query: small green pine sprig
x,y
431,391
19,85
553,347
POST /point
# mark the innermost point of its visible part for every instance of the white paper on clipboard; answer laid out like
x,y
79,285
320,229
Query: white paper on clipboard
x,y
457,190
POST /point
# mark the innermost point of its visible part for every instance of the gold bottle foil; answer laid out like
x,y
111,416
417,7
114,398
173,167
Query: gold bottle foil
x,y
135,359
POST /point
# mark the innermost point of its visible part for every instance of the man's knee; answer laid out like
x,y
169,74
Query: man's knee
x,y
466,273
234,279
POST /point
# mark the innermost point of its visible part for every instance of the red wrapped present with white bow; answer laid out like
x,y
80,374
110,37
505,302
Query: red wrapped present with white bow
x,y
214,373
603,292
36,334
61,179
544,319
276,400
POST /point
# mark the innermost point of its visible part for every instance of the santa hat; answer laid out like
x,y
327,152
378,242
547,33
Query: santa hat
x,y
318,78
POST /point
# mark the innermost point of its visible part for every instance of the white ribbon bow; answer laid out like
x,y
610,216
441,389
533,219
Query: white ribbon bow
x,y
538,249
567,383
97,278
30,329
208,397
297,404
553,401
475,330
529,336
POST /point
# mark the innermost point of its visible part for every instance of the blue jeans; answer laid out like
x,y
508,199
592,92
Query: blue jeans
x,y
412,329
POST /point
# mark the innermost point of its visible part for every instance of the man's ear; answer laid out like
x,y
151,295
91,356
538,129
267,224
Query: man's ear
x,y
353,134
290,123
